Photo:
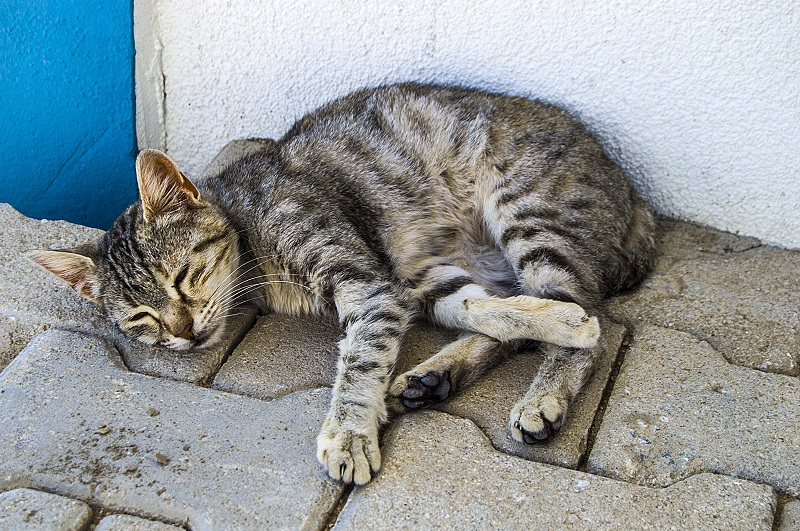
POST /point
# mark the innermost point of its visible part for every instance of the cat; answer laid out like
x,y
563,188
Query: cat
x,y
497,215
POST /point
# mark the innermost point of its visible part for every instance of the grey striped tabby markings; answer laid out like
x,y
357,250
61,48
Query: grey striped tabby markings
x,y
495,215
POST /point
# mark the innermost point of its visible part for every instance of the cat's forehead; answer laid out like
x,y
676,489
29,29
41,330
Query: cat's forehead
x,y
166,242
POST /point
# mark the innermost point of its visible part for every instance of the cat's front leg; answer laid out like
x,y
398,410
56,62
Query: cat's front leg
x,y
375,322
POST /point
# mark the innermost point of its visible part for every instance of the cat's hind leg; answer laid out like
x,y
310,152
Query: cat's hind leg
x,y
558,274
452,299
541,412
457,366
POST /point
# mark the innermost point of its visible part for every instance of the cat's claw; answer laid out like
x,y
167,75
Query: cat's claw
x,y
415,392
348,456
537,420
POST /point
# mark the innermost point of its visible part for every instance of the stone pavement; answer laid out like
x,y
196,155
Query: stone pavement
x,y
691,421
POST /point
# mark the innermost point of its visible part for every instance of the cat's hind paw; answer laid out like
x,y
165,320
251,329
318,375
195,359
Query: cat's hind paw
x,y
418,391
348,456
537,420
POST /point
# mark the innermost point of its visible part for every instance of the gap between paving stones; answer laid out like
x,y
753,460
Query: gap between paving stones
x,y
609,388
98,512
684,410
53,442
729,290
452,477
284,354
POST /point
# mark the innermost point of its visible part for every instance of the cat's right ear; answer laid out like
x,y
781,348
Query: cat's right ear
x,y
162,187
77,270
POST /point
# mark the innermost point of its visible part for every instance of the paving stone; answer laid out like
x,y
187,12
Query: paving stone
x,y
31,300
738,295
125,522
28,509
440,472
679,408
284,354
489,402
281,355
790,518
75,422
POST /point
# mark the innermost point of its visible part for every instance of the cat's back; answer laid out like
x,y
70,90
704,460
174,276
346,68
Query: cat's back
x,y
417,170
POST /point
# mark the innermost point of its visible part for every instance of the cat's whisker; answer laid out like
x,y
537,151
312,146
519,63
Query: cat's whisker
x,y
239,289
241,280
252,287
233,273
238,276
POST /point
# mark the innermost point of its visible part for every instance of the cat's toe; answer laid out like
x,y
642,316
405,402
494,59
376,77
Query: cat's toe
x,y
415,392
347,456
537,420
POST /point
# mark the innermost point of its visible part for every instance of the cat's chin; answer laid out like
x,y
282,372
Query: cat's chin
x,y
207,339
204,340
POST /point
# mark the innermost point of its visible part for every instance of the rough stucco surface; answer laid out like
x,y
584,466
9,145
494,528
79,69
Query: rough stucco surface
x,y
699,101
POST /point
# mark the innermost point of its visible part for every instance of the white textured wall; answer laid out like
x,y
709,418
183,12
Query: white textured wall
x,y
700,101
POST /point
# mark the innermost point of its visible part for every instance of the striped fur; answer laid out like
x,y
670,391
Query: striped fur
x,y
497,215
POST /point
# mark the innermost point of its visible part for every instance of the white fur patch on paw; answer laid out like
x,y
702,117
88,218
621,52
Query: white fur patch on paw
x,y
348,456
522,317
570,326
537,419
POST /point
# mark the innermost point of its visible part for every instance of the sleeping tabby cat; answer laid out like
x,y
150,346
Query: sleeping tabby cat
x,y
496,215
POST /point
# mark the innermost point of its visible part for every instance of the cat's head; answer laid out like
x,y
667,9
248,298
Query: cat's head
x,y
166,269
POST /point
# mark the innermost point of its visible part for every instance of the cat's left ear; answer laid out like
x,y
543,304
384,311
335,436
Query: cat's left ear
x,y
162,187
78,270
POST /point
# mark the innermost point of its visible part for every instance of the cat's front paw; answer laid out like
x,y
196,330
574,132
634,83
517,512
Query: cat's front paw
x,y
348,456
570,326
535,420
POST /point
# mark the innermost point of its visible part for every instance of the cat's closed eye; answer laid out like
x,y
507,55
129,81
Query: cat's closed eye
x,y
181,276
140,316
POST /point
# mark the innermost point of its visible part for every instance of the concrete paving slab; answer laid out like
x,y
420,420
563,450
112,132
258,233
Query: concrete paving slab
x,y
679,408
489,402
440,472
125,522
281,355
75,422
740,296
32,300
28,509
790,518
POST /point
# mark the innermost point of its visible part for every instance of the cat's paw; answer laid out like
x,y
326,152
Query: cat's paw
x,y
538,419
418,391
573,327
587,332
348,456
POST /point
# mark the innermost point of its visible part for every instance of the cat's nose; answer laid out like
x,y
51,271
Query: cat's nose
x,y
187,332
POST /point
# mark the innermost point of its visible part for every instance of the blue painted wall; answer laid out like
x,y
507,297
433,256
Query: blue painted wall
x,y
67,132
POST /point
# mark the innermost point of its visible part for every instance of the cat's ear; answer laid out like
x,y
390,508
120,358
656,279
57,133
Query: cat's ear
x,y
78,270
162,187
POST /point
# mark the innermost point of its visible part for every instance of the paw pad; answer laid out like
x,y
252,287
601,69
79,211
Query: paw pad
x,y
426,390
